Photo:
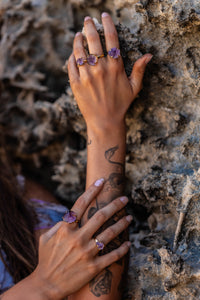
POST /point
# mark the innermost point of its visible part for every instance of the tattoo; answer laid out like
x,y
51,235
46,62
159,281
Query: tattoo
x,y
89,142
109,154
101,284
115,179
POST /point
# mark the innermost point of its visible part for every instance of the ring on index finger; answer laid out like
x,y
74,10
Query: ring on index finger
x,y
70,217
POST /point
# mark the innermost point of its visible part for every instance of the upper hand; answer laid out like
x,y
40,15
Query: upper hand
x,y
68,255
103,92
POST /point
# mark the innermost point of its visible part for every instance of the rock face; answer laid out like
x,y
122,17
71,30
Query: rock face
x,y
47,133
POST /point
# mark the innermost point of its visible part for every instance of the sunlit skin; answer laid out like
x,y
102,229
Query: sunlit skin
x,y
104,93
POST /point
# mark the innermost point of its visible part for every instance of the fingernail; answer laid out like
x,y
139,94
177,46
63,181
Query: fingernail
x,y
104,14
124,199
128,243
148,58
87,18
99,182
129,218
78,33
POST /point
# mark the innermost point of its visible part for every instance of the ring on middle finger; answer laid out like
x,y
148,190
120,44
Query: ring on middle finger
x,y
91,59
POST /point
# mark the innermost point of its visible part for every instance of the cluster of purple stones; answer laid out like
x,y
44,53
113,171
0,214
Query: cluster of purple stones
x,y
100,245
92,59
114,53
70,217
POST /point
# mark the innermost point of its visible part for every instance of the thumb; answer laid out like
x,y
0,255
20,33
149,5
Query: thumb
x,y
137,73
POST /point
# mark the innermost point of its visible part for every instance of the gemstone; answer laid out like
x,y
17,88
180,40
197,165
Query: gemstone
x,y
80,61
69,217
114,52
100,245
92,60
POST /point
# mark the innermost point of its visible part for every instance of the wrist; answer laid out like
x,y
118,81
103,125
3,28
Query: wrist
x,y
39,286
107,129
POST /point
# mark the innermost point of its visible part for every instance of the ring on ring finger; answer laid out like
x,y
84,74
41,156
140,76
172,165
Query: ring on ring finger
x,y
99,244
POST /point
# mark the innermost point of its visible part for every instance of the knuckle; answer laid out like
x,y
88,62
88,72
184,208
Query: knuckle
x,y
117,255
92,37
111,232
63,230
86,255
93,268
101,215
99,70
87,79
114,67
112,35
82,200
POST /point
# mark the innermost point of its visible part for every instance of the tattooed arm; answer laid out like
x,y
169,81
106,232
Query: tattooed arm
x,y
104,93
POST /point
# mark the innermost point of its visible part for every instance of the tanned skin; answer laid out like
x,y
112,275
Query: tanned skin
x,y
104,93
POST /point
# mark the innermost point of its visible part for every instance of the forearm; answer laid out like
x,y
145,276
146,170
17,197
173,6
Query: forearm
x,y
29,287
106,158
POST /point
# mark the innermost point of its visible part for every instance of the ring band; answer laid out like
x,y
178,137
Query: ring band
x,y
99,244
91,59
70,217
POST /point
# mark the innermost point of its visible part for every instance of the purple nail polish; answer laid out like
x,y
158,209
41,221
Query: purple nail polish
x,y
104,14
99,182
129,218
87,18
124,200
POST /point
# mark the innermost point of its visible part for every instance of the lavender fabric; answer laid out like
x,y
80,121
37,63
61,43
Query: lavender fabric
x,y
48,215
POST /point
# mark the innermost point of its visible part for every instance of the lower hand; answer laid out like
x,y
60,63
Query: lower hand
x,y
68,255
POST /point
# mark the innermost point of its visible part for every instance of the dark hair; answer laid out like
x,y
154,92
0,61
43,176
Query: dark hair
x,y
17,238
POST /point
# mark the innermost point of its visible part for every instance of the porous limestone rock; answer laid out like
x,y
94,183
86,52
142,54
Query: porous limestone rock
x,y
47,133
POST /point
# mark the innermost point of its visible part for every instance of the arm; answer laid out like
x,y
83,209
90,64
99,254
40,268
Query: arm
x,y
104,93
68,253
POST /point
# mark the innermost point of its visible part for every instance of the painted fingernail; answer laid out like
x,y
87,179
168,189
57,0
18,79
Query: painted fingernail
x,y
78,33
148,58
128,243
99,182
124,199
104,14
87,18
129,218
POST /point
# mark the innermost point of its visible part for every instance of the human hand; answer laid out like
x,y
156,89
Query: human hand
x,y
103,92
68,255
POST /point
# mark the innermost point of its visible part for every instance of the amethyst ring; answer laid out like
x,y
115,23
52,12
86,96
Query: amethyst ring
x,y
91,59
70,217
114,53
99,244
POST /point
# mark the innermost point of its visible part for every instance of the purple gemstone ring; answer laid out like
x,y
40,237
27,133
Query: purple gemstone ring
x,y
91,59
114,53
70,217
99,244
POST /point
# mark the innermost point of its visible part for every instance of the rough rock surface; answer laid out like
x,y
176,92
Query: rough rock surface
x,y
47,133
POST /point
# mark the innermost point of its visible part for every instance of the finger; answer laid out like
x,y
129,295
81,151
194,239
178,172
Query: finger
x,y
113,231
73,71
111,38
110,32
103,215
92,36
84,200
106,260
137,73
79,51
47,235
